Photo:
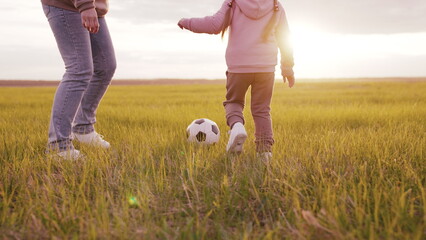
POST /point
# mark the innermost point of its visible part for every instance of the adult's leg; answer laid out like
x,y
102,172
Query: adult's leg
x,y
104,67
261,92
73,41
236,88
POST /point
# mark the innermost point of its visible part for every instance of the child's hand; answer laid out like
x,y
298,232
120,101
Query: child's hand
x,y
290,80
180,24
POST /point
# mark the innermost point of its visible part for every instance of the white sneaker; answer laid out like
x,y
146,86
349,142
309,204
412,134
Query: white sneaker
x,y
237,138
265,157
71,155
93,138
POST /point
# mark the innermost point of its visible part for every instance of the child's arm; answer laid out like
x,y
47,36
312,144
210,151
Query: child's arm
x,y
287,61
210,24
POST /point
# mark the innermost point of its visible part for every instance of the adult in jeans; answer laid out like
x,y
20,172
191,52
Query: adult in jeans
x,y
86,48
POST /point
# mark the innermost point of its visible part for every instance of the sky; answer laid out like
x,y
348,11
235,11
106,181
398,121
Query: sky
x,y
331,39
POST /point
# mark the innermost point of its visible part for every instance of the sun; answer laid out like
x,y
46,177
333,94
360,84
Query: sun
x,y
316,52
310,42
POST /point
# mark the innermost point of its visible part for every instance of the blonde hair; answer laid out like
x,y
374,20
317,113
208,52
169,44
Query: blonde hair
x,y
227,20
268,30
271,24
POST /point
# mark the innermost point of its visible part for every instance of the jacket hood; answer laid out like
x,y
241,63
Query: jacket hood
x,y
255,9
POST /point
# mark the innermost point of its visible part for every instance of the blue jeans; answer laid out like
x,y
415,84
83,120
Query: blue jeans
x,y
90,64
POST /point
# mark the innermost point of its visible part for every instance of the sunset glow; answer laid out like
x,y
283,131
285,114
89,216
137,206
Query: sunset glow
x,y
157,48
317,52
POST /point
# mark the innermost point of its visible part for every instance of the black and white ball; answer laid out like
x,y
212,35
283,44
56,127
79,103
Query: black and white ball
x,y
203,131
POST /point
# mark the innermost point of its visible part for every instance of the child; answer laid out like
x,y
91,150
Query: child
x,y
257,29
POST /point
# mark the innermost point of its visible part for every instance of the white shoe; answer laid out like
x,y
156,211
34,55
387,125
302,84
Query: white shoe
x,y
92,138
71,155
265,157
237,138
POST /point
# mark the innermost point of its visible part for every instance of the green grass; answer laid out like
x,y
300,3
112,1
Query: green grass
x,y
349,163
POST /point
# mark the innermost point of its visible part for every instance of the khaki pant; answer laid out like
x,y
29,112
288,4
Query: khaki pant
x,y
262,85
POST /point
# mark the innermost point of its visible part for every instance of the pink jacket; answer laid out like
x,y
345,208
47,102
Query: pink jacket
x,y
246,51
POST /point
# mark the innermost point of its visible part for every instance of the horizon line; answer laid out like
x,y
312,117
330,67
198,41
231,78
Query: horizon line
x,y
177,81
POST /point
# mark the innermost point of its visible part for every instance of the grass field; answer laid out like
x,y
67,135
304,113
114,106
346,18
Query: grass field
x,y
349,163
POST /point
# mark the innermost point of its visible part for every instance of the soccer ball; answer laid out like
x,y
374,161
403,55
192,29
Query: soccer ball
x,y
203,131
